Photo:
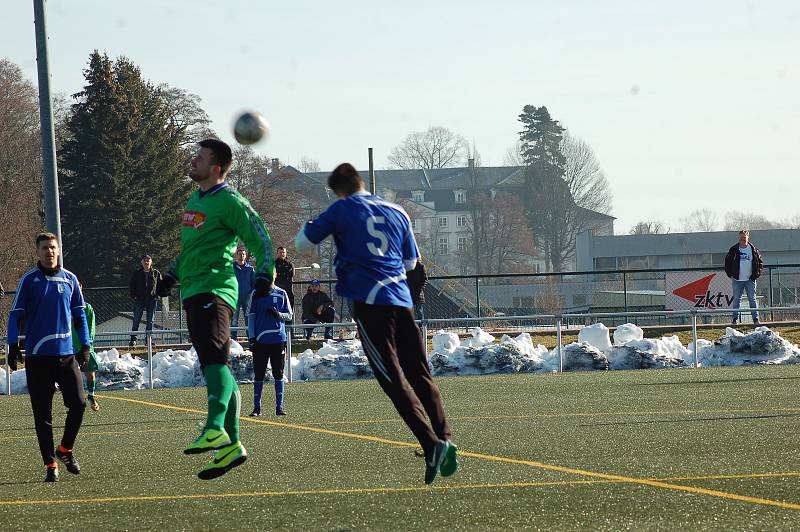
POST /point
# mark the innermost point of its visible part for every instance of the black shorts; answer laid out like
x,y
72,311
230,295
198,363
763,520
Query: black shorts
x,y
208,318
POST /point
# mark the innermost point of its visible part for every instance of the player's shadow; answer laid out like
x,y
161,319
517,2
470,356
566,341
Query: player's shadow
x,y
111,423
688,420
715,381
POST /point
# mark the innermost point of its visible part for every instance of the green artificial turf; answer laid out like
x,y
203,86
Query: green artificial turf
x,y
310,471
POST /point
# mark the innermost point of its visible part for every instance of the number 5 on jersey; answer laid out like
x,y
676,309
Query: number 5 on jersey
x,y
377,234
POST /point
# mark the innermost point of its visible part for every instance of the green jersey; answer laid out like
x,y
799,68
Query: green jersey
x,y
76,341
212,224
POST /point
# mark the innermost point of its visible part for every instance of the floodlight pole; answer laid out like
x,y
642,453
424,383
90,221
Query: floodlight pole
x,y
49,171
373,188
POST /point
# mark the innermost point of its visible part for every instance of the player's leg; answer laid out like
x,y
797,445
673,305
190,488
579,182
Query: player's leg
x,y
91,381
70,382
414,363
276,360
259,371
40,373
208,321
376,325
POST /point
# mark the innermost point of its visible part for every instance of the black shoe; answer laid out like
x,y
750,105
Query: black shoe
x,y
280,411
132,343
256,412
756,323
68,459
52,474
733,323
433,461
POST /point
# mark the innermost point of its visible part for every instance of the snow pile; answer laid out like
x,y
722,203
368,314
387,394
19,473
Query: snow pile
x,y
480,353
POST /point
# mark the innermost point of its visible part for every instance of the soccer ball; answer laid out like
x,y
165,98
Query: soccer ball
x,y
250,127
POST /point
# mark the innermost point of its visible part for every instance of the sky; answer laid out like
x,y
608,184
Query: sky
x,y
693,103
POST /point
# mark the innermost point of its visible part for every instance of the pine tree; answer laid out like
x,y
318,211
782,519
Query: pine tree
x,y
123,175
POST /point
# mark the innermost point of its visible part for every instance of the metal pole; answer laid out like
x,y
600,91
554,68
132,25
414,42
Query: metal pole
x,y
478,295
8,371
694,339
625,293
289,330
560,349
150,357
373,188
50,173
425,334
771,316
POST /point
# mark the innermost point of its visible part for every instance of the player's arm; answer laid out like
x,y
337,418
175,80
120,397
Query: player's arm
x,y
165,282
252,307
249,227
315,231
284,311
78,306
410,249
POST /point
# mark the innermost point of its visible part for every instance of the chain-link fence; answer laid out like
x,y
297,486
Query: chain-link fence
x,y
453,297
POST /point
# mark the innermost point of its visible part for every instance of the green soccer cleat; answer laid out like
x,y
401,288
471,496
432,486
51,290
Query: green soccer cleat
x,y
209,440
450,461
223,461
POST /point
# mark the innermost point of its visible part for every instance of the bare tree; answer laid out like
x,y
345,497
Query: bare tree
x,y
247,166
586,181
737,220
21,178
653,227
307,164
698,221
513,156
436,147
187,114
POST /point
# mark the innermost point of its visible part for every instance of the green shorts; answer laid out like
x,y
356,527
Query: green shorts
x,y
92,364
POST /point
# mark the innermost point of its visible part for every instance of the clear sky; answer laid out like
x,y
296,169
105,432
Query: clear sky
x,y
695,104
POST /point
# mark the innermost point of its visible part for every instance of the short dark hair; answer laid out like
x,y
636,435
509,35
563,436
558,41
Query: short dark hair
x,y
280,247
220,153
41,237
345,179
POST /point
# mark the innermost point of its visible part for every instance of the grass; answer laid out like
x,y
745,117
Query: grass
x,y
559,451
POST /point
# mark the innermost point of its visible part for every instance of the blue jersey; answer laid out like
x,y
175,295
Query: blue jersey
x,y
48,304
374,247
264,326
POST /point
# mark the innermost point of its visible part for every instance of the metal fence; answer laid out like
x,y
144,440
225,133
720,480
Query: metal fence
x,y
577,294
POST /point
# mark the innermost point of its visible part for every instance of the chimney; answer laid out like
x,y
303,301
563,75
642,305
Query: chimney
x,y
471,164
275,166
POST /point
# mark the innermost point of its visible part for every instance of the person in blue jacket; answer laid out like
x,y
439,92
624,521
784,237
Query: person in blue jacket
x,y
246,277
49,300
267,334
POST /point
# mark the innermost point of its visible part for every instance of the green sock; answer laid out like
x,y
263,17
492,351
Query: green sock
x,y
90,386
220,386
234,411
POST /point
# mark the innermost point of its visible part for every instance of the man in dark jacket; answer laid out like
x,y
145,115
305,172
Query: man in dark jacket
x,y
246,277
416,279
318,308
284,273
743,264
143,292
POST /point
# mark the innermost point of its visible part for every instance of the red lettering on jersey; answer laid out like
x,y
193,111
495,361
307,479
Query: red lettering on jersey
x,y
193,219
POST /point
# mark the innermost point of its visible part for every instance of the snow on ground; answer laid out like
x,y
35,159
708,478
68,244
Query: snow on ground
x,y
480,353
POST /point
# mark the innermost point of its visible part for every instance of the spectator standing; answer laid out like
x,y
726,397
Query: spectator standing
x,y
246,277
143,292
284,273
744,264
318,308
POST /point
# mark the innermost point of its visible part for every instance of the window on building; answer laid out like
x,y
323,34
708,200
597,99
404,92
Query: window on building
x,y
415,225
418,196
461,196
442,221
443,245
605,263
461,221
462,244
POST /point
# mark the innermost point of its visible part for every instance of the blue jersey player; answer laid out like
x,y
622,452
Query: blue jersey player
x,y
266,331
49,301
375,247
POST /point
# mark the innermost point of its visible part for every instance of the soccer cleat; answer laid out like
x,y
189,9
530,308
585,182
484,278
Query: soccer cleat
x,y
68,459
93,403
280,411
450,461
256,412
434,461
209,440
223,460
52,474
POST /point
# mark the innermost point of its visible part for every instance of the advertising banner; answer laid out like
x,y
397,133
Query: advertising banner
x,y
702,289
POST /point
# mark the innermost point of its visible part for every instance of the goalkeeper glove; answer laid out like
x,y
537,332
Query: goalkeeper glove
x,y
15,356
82,356
165,284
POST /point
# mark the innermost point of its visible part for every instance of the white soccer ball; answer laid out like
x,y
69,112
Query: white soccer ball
x,y
250,127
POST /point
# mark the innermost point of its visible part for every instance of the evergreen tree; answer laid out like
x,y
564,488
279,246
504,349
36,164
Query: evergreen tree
x,y
123,174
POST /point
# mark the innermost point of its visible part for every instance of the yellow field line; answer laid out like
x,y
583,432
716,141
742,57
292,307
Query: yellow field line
x,y
347,491
503,459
